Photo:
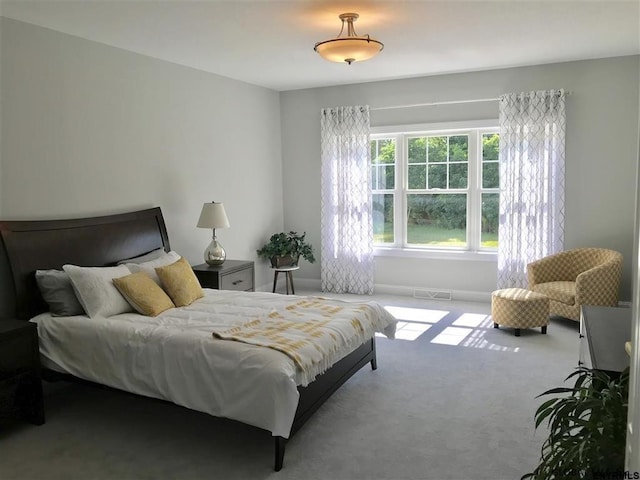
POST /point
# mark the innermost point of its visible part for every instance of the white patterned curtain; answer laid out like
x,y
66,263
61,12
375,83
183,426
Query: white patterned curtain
x,y
532,144
346,254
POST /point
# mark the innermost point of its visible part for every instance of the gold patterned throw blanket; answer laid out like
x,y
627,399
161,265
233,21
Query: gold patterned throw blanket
x,y
314,332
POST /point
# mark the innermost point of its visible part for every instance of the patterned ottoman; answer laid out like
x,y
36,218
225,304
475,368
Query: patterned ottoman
x,y
519,308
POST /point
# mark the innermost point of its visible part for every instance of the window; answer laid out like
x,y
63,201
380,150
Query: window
x,y
436,189
383,178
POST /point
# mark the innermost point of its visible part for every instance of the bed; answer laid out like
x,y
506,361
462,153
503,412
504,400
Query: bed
x,y
177,356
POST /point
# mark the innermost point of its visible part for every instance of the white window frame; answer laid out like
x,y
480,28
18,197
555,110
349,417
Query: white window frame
x,y
473,249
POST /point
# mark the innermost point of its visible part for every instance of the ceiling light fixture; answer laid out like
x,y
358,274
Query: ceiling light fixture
x,y
350,48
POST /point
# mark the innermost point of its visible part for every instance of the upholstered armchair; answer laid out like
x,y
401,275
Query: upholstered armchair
x,y
582,276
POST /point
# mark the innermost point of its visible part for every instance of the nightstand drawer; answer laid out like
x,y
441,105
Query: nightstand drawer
x,y
231,275
240,280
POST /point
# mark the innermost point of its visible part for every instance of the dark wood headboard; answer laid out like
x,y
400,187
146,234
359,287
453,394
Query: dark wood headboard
x,y
90,242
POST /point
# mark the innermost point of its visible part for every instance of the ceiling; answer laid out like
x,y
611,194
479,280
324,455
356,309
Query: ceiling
x,y
270,43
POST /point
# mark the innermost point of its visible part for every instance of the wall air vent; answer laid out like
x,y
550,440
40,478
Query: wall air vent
x,y
431,294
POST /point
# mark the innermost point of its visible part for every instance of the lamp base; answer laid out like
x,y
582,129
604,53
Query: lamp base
x,y
215,254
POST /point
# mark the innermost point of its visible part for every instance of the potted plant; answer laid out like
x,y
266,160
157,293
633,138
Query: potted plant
x,y
284,249
587,428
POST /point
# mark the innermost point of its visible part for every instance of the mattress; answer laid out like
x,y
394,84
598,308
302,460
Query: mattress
x,y
174,356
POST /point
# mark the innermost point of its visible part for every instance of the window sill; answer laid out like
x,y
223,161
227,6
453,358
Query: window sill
x,y
485,256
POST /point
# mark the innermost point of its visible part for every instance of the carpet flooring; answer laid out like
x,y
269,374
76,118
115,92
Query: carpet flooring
x,y
452,399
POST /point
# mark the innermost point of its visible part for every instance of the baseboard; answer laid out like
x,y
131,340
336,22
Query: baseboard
x,y
407,291
438,294
425,293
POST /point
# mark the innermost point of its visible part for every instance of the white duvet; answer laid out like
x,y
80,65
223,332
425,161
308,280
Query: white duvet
x,y
174,356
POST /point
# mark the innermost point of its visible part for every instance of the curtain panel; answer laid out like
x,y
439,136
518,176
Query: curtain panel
x,y
346,253
532,169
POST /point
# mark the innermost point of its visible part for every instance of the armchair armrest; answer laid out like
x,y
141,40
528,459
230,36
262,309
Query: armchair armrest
x,y
599,285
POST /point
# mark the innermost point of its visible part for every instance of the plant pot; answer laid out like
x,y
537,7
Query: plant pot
x,y
284,261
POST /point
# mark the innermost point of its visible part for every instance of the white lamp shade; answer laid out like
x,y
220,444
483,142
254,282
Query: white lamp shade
x,y
213,216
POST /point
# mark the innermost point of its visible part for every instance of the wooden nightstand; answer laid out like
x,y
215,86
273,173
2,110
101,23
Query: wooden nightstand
x,y
20,383
231,275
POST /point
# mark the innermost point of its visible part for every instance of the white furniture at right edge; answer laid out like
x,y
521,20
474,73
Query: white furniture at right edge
x,y
603,333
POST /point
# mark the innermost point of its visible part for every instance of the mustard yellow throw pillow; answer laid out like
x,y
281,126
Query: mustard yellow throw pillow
x,y
143,294
180,283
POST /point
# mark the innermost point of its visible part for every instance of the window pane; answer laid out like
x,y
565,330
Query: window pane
x,y
490,146
383,218
490,210
378,180
383,160
417,150
417,177
490,175
437,149
383,150
490,179
438,176
387,177
458,148
437,219
458,175
387,151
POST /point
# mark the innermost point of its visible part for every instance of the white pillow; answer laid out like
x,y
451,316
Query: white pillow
x,y
95,289
150,267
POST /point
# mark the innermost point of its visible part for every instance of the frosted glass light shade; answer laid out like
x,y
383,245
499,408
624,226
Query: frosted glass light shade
x,y
348,49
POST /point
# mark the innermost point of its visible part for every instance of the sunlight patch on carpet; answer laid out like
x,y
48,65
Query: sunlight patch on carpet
x,y
452,336
473,320
473,337
410,330
422,315
464,330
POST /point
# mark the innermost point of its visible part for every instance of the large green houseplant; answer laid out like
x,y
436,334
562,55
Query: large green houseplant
x,y
587,428
285,249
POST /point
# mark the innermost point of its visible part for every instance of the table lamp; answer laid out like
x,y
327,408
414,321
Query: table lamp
x,y
213,216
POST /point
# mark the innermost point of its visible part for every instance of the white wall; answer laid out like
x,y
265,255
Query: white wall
x,y
89,129
601,155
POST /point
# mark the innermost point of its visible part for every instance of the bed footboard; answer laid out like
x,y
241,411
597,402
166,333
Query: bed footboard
x,y
316,393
